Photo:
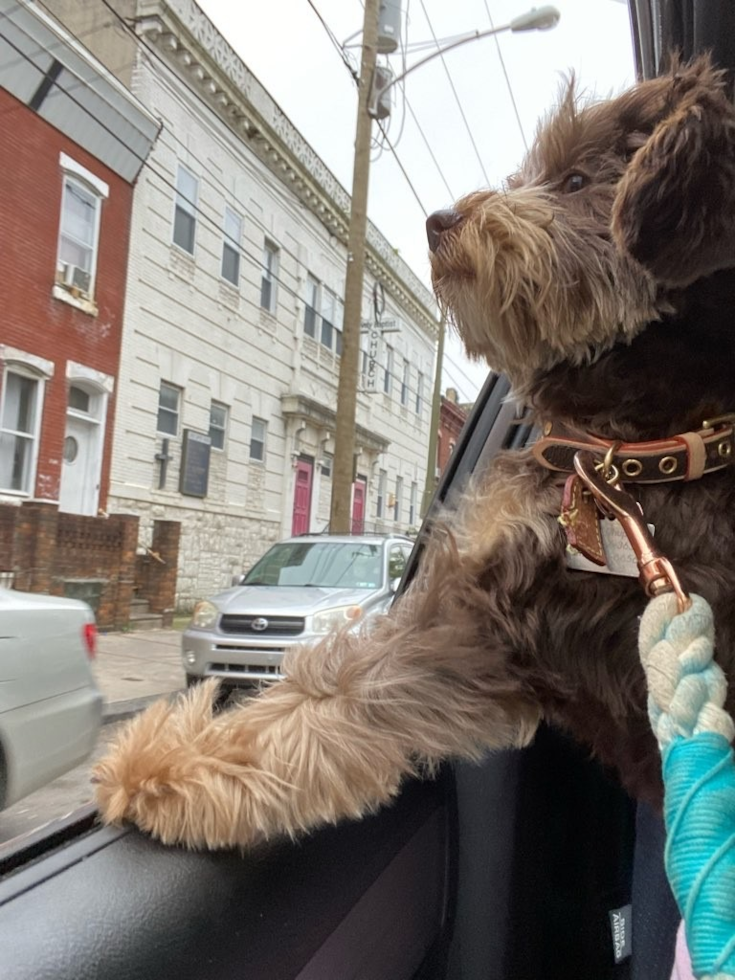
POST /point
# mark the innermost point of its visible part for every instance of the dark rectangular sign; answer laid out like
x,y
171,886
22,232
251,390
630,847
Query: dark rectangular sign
x,y
195,464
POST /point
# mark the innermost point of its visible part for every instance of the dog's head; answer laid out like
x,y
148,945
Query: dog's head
x,y
618,208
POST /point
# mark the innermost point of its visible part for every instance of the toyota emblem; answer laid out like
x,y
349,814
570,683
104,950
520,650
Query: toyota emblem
x,y
260,624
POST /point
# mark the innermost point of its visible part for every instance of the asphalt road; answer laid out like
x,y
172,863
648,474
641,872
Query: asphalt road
x,y
57,799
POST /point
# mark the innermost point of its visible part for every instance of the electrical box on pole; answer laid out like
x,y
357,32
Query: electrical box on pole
x,y
389,26
380,101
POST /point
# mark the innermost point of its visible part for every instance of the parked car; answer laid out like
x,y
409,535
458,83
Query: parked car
x,y
50,708
299,590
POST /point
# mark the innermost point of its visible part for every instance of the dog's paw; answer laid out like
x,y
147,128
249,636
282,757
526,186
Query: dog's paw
x,y
172,774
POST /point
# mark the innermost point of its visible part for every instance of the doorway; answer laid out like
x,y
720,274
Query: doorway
x,y
359,493
82,452
304,478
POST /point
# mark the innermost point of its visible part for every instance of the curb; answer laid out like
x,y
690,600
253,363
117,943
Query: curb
x,y
122,710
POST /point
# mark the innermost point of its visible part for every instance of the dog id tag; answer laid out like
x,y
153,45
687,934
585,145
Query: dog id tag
x,y
580,518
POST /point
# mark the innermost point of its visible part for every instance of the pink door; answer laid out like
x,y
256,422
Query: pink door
x,y
358,506
302,496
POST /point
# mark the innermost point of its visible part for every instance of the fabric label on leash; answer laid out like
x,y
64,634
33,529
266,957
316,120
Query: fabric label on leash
x,y
620,926
620,556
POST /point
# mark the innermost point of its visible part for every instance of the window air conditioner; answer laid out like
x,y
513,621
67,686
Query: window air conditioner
x,y
73,276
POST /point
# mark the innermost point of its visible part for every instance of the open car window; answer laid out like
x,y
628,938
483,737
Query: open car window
x,y
505,870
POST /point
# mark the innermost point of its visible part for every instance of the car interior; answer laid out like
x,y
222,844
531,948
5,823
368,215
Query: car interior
x,y
507,870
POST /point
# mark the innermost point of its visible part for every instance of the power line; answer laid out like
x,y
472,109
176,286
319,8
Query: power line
x,y
450,367
456,96
145,46
257,262
402,169
338,47
507,77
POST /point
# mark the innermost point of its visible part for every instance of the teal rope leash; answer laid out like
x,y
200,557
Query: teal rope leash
x,y
687,692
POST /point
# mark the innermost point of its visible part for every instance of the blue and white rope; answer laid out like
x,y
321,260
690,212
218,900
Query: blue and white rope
x,y
687,691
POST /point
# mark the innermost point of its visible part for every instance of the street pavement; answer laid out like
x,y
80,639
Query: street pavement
x,y
133,669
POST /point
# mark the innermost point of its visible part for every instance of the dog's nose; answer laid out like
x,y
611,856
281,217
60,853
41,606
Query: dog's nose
x,y
439,222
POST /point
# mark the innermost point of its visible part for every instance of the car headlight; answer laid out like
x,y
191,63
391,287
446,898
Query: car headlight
x,y
323,622
205,614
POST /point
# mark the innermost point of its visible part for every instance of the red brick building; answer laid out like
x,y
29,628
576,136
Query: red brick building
x,y
72,143
452,417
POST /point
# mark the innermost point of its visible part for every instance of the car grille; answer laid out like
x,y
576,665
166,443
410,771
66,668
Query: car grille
x,y
266,670
277,625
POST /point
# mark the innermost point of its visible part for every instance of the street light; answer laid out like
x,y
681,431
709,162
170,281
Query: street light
x,y
537,19
369,95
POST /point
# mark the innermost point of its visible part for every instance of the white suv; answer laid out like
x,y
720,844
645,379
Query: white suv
x,y
296,593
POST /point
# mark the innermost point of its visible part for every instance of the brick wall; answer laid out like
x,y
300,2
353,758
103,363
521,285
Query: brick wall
x,y
156,571
92,558
452,418
33,320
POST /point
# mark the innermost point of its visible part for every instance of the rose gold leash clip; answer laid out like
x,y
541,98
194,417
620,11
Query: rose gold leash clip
x,y
655,571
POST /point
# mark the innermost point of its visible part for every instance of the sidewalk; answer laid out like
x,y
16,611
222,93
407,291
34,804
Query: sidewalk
x,y
134,669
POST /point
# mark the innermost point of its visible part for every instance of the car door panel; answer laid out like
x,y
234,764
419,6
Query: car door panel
x,y
122,907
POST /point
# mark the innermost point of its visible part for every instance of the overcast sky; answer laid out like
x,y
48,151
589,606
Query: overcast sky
x,y
476,135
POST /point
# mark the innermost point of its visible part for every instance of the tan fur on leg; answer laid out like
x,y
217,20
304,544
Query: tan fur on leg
x,y
354,716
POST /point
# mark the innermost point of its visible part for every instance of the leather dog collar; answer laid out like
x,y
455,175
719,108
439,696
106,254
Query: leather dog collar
x,y
686,456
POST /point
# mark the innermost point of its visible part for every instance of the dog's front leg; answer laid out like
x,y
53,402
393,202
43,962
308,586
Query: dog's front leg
x,y
354,715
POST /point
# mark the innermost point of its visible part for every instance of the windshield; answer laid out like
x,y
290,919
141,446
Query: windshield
x,y
325,564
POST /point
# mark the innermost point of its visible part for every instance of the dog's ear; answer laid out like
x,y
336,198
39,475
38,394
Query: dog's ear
x,y
675,206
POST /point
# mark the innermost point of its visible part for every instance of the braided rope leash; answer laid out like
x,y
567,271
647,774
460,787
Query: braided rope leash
x,y
686,694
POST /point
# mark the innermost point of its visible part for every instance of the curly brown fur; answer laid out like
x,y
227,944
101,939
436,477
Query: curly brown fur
x,y
601,279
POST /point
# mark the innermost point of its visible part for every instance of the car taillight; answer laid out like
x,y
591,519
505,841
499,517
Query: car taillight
x,y
89,635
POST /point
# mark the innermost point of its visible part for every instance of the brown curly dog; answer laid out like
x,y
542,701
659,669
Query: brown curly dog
x,y
600,278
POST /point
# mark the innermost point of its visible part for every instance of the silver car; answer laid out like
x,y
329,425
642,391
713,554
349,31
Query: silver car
x,y
298,591
50,708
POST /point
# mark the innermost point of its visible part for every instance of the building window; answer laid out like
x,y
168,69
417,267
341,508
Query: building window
x,y
169,400
79,227
397,502
419,393
382,485
217,425
257,440
312,305
412,512
404,382
19,428
329,301
230,246
79,399
388,375
326,465
269,277
187,193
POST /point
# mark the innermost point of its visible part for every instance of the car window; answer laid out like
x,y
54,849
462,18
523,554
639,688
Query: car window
x,y
319,564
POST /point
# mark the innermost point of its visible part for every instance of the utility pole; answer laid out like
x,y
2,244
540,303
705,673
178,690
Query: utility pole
x,y
436,403
340,518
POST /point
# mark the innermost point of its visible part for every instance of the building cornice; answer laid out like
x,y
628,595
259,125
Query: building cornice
x,y
303,407
195,49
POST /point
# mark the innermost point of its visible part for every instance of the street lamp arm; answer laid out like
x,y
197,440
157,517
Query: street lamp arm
x,y
538,19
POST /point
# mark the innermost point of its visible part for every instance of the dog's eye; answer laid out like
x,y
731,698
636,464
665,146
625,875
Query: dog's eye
x,y
574,182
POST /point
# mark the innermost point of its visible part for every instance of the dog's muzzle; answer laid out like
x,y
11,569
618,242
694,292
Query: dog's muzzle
x,y
437,224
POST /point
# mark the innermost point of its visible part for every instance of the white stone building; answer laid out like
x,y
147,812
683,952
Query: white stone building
x,y
233,319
